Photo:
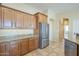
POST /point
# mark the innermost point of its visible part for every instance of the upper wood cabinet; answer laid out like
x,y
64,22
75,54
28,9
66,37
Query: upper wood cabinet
x,y
7,17
11,18
27,20
42,18
19,19
33,22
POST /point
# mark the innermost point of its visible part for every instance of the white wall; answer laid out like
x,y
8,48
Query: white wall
x,y
53,25
72,15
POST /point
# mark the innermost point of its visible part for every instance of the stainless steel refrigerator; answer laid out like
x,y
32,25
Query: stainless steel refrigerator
x,y
43,35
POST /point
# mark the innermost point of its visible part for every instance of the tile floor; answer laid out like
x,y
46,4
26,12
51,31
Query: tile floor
x,y
55,48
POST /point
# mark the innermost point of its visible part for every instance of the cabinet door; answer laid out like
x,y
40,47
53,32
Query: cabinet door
x,y
36,43
29,21
7,17
70,49
42,18
24,46
4,49
14,48
31,44
45,19
33,22
26,21
19,19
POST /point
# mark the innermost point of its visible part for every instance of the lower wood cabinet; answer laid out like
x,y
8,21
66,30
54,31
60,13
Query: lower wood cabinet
x,y
23,46
4,49
36,42
33,43
18,47
15,48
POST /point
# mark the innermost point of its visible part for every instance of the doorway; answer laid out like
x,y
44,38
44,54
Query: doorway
x,y
66,28
63,29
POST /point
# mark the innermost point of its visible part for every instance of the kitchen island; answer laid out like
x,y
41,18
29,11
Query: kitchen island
x,y
72,47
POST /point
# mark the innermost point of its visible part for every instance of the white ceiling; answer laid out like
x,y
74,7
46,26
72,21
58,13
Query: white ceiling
x,y
56,7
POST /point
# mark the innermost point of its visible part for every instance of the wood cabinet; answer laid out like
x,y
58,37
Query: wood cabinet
x,y
25,25
36,42
15,48
27,21
18,47
42,18
4,49
7,17
33,22
24,46
19,19
33,43
11,18
70,48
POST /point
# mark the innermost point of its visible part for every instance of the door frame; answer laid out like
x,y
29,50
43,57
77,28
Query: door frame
x,y
61,28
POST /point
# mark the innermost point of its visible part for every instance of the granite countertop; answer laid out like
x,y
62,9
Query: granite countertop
x,y
16,37
75,40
